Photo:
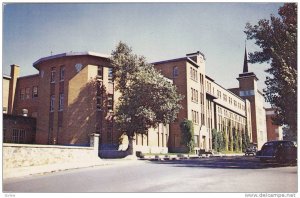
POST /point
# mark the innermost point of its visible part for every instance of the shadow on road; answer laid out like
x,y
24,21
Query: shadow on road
x,y
225,163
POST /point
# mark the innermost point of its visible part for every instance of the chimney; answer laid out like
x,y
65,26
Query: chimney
x,y
14,74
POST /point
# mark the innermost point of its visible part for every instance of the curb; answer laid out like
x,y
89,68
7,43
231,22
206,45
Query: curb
x,y
9,173
185,156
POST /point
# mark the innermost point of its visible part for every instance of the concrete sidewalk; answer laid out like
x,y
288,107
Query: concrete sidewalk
x,y
50,168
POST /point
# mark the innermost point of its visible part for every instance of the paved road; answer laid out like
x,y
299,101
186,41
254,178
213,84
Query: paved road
x,y
226,174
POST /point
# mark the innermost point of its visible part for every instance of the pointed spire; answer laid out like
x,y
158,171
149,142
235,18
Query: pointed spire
x,y
245,69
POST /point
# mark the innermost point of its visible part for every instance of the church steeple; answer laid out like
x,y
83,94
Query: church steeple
x,y
245,69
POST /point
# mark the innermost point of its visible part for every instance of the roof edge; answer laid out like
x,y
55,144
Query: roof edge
x,y
90,53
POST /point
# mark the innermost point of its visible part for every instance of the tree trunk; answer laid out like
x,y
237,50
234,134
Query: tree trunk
x,y
131,147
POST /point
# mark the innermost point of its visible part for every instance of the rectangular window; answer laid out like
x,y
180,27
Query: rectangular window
x,y
110,102
27,92
194,74
18,136
100,72
52,99
22,94
61,101
110,75
62,73
195,117
34,92
175,72
225,97
52,77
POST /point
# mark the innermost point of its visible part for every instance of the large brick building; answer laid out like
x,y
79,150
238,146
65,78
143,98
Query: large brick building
x,y
206,103
74,95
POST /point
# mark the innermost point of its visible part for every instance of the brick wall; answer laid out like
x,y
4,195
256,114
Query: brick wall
x,y
29,101
18,129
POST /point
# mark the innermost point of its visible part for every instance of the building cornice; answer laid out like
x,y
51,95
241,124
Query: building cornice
x,y
88,53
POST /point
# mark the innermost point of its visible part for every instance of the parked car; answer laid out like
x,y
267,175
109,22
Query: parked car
x,y
281,151
251,150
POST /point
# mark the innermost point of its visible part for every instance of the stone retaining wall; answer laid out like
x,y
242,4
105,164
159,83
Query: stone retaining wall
x,y
24,155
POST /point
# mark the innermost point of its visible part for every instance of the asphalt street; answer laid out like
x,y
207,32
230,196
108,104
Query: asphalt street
x,y
224,174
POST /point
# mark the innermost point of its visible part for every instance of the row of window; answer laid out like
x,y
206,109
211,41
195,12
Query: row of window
x,y
231,101
100,74
25,93
61,74
230,115
99,99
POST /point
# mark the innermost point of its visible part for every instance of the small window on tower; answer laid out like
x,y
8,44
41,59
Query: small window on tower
x,y
110,75
52,77
62,73
100,72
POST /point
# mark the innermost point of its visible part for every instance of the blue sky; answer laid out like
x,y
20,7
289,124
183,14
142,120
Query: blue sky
x,y
159,31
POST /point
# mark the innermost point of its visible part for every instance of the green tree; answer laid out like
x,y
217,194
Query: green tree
x,y
230,137
225,141
220,141
215,144
240,141
277,39
187,131
245,139
225,137
147,98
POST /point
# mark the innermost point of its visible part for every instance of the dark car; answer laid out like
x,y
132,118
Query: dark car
x,y
279,151
251,150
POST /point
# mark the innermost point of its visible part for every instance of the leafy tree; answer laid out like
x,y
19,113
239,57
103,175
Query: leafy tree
x,y
244,144
220,141
225,137
230,137
288,134
147,98
277,38
239,141
215,143
225,141
187,131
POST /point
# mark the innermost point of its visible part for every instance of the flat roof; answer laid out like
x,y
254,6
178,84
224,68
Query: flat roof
x,y
28,76
70,54
177,59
